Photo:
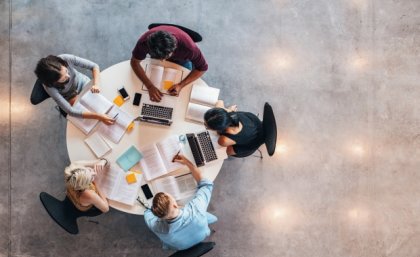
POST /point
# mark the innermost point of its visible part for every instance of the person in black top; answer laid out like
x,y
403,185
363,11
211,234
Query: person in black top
x,y
241,132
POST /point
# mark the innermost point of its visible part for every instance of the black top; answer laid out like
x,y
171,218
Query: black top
x,y
252,133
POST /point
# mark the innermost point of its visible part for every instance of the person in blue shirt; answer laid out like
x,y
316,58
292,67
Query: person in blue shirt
x,y
181,228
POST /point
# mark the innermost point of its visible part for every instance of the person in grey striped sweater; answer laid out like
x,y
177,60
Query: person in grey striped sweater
x,y
63,83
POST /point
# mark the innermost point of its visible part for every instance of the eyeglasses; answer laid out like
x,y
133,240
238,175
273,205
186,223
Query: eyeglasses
x,y
143,203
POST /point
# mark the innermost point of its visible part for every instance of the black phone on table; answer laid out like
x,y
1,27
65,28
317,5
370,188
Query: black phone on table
x,y
124,93
137,98
147,192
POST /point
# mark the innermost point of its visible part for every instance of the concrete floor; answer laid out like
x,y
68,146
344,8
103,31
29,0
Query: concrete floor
x,y
343,78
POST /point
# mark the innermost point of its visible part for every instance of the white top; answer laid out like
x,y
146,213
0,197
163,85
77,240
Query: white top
x,y
142,134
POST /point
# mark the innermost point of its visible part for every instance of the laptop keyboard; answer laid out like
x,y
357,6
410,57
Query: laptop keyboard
x,y
195,149
207,146
157,111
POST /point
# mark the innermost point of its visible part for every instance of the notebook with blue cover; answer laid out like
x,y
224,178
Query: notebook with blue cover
x,y
129,158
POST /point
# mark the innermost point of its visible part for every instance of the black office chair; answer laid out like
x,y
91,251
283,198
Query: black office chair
x,y
270,129
195,251
196,37
39,95
64,213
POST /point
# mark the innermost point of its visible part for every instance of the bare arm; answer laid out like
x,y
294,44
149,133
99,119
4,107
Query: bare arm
x,y
139,71
225,141
196,173
154,93
98,200
194,75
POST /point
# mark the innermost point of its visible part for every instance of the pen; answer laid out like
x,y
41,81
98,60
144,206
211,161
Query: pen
x,y
115,116
176,155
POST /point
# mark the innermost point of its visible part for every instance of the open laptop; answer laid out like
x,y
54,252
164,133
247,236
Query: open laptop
x,y
202,148
157,112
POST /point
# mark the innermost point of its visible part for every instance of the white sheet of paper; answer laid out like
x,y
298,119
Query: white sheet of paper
x,y
204,95
196,112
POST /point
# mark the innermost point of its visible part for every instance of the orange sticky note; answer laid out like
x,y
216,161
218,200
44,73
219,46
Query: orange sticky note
x,y
119,100
131,178
130,127
167,84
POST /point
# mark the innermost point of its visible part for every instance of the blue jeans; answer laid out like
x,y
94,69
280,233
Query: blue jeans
x,y
187,64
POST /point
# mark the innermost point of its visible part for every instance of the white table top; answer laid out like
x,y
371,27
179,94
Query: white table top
x,y
142,134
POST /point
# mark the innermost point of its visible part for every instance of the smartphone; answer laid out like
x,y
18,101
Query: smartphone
x,y
124,93
147,192
137,98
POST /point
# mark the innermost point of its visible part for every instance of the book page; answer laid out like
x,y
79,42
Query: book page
x,y
196,112
106,180
85,125
124,192
97,144
96,102
152,164
170,77
116,131
168,148
186,184
167,185
204,95
155,74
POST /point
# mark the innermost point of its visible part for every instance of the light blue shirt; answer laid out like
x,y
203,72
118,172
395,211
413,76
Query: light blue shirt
x,y
190,227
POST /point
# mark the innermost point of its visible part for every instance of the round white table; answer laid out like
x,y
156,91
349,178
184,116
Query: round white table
x,y
142,134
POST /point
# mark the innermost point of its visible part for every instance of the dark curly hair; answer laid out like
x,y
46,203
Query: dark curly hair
x,y
161,44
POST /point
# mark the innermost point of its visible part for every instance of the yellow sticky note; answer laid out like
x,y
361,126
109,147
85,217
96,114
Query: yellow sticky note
x,y
119,100
130,127
131,178
167,84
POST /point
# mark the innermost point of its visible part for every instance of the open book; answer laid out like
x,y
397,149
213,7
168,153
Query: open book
x,y
157,158
92,102
116,131
182,187
113,184
163,78
202,99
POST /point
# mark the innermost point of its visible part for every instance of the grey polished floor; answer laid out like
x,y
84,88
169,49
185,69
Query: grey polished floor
x,y
343,77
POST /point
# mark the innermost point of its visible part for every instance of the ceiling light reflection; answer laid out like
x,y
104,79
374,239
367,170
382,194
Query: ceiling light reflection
x,y
281,148
358,149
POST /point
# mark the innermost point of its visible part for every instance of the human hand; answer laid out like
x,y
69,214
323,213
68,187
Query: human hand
x,y
175,89
95,89
154,94
107,120
232,108
181,159
99,167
